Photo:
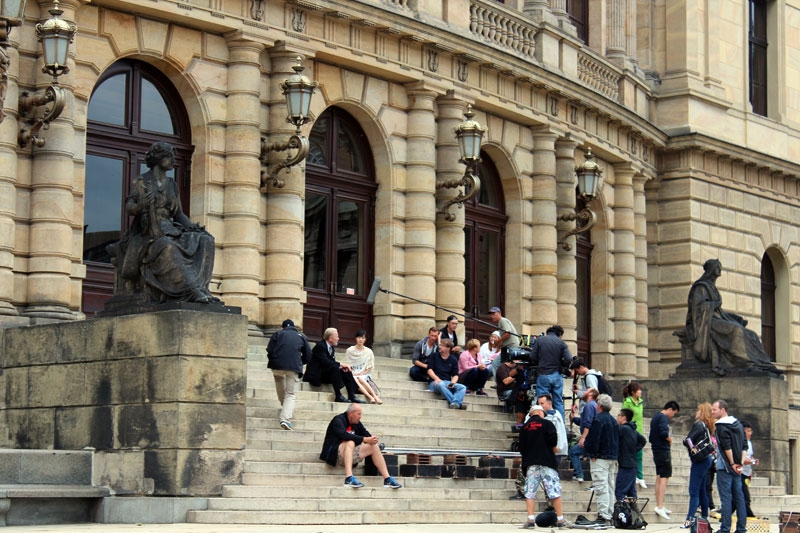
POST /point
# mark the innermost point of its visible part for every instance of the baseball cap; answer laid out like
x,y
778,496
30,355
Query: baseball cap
x,y
287,323
495,310
537,407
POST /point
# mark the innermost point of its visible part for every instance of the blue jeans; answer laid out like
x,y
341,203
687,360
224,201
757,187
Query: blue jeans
x,y
731,497
697,488
452,396
575,454
552,384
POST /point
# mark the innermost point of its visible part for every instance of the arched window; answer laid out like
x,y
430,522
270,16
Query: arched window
x,y
132,106
768,307
484,250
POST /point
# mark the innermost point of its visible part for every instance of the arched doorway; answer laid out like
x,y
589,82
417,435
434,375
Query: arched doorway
x,y
339,228
484,251
132,106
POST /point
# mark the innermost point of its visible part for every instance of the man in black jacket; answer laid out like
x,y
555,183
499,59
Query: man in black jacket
x,y
630,442
324,368
347,442
287,352
550,354
730,458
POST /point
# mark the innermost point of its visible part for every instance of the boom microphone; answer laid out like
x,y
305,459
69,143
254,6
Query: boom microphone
x,y
373,292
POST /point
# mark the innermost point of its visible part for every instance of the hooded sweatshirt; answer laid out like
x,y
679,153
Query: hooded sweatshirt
x,y
730,436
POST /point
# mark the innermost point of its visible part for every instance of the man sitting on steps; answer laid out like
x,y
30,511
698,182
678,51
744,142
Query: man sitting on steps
x,y
347,442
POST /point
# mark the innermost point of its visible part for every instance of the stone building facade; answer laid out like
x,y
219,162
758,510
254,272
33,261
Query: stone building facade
x,y
660,91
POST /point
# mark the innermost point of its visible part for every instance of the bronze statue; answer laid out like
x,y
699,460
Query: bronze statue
x,y
164,256
719,337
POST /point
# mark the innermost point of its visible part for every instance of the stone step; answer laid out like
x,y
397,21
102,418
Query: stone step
x,y
348,517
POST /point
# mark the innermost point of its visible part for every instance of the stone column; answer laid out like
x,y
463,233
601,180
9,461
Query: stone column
x,y
420,208
566,182
285,214
51,239
624,274
450,268
8,181
631,48
616,18
240,266
544,282
640,246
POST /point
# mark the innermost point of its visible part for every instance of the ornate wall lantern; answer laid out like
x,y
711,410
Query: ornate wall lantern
x,y
55,35
590,176
11,12
469,135
298,91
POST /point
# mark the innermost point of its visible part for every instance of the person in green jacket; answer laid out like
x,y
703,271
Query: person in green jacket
x,y
632,394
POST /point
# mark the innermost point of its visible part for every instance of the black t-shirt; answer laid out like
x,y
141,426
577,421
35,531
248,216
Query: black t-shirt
x,y
537,438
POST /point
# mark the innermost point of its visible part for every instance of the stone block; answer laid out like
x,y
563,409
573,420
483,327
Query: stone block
x,y
31,428
55,385
16,394
119,381
86,340
197,379
29,346
145,510
122,471
79,427
229,338
192,472
145,335
45,467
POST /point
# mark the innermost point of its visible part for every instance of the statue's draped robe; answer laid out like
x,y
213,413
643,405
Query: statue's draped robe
x,y
171,260
719,337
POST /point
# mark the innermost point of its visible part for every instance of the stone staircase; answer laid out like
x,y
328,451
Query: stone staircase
x,y
284,482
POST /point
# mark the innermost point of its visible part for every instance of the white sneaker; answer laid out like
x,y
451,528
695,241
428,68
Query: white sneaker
x,y
662,513
668,511
641,483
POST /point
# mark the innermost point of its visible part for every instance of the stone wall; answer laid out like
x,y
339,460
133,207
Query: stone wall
x,y
160,396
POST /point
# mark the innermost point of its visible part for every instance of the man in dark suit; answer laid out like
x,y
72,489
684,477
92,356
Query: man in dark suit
x,y
324,368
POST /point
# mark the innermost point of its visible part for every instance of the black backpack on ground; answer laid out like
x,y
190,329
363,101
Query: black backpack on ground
x,y
627,514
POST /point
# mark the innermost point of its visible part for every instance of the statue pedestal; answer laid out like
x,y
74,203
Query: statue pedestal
x,y
758,398
160,397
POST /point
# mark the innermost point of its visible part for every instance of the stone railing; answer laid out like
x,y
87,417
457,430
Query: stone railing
x,y
398,3
489,21
598,75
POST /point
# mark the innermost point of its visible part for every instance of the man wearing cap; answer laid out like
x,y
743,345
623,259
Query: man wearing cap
x,y
538,445
287,352
508,334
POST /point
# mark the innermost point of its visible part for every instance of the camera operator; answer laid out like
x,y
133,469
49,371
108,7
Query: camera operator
x,y
550,354
510,378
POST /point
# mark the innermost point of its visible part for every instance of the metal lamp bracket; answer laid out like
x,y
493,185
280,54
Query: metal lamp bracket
x,y
470,182
584,220
296,142
29,133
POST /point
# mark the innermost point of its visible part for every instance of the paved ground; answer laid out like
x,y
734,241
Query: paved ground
x,y
211,528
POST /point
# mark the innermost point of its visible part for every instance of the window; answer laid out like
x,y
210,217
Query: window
x,y
757,60
132,106
768,307
578,11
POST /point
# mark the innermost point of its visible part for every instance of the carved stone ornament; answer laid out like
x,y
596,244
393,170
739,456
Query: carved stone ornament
x,y
4,64
257,9
298,20
463,70
433,60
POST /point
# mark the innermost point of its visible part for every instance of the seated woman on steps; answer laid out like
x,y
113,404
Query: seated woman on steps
x,y
362,362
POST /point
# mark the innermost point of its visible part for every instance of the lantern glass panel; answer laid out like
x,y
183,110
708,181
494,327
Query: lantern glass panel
x,y
55,49
12,9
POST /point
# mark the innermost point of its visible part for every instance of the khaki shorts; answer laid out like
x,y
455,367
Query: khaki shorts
x,y
356,456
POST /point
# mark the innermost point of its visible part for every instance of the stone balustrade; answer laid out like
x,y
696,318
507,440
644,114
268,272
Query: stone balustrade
x,y
490,22
598,75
